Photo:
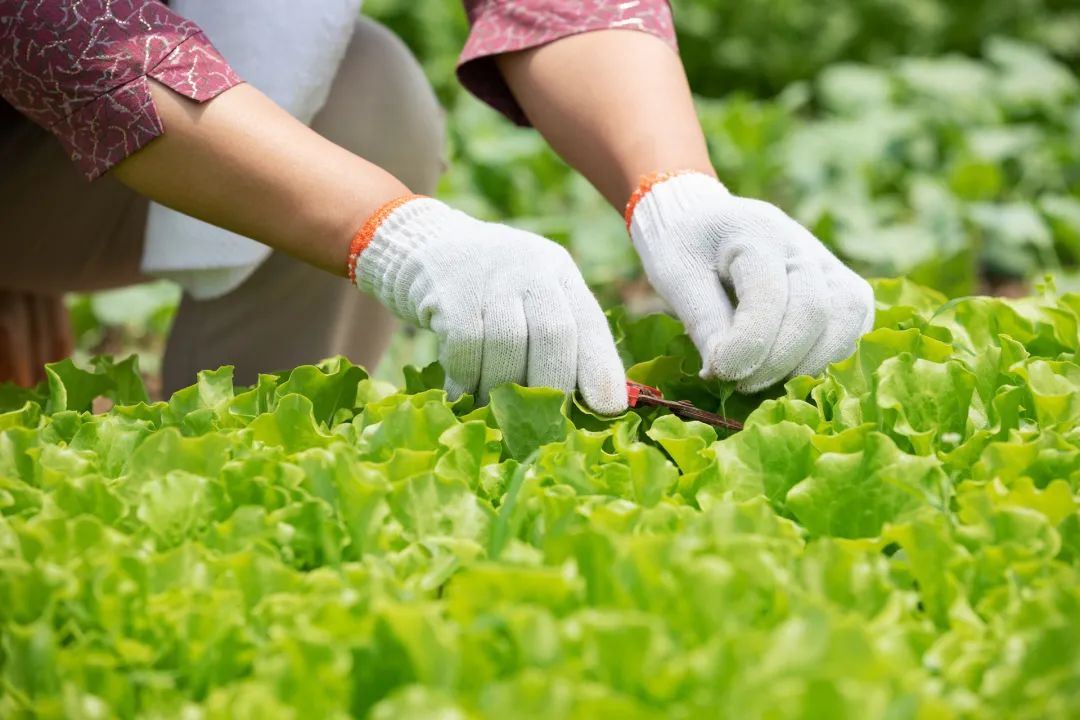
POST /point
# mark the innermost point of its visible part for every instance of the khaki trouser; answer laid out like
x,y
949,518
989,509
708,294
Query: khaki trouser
x,y
59,233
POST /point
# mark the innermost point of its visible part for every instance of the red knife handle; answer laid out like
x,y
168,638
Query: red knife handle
x,y
635,390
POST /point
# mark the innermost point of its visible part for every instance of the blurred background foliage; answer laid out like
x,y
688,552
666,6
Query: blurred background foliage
x,y
938,139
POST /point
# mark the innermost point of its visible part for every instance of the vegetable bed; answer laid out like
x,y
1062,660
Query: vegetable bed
x,y
899,538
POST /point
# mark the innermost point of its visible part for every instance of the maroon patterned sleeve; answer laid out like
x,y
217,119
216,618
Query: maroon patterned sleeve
x,y
80,69
500,26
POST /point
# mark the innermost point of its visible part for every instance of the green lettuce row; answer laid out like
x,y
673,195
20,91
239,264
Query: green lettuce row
x,y
898,538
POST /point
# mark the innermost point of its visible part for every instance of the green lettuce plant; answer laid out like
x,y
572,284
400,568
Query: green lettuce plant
x,y
897,538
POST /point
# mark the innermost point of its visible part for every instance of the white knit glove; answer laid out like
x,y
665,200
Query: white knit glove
x,y
506,305
797,307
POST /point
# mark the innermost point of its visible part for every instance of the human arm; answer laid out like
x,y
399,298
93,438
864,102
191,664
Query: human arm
x,y
507,305
244,164
628,114
133,79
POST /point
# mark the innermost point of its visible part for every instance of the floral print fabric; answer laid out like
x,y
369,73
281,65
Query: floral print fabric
x,y
80,69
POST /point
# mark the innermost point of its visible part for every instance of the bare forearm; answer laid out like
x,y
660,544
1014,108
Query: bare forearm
x,y
614,104
243,163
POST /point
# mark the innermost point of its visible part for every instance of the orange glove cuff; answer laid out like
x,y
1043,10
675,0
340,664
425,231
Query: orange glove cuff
x,y
367,231
645,185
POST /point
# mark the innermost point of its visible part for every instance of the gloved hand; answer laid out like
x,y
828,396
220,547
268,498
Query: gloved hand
x,y
798,307
506,305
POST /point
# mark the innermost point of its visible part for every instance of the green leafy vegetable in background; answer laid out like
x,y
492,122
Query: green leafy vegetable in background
x,y
898,538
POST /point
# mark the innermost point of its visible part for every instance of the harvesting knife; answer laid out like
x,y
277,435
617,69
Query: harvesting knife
x,y
638,394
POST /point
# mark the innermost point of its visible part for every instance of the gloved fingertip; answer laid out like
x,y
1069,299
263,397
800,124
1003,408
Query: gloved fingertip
x,y
608,408
813,369
733,363
707,349
607,398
